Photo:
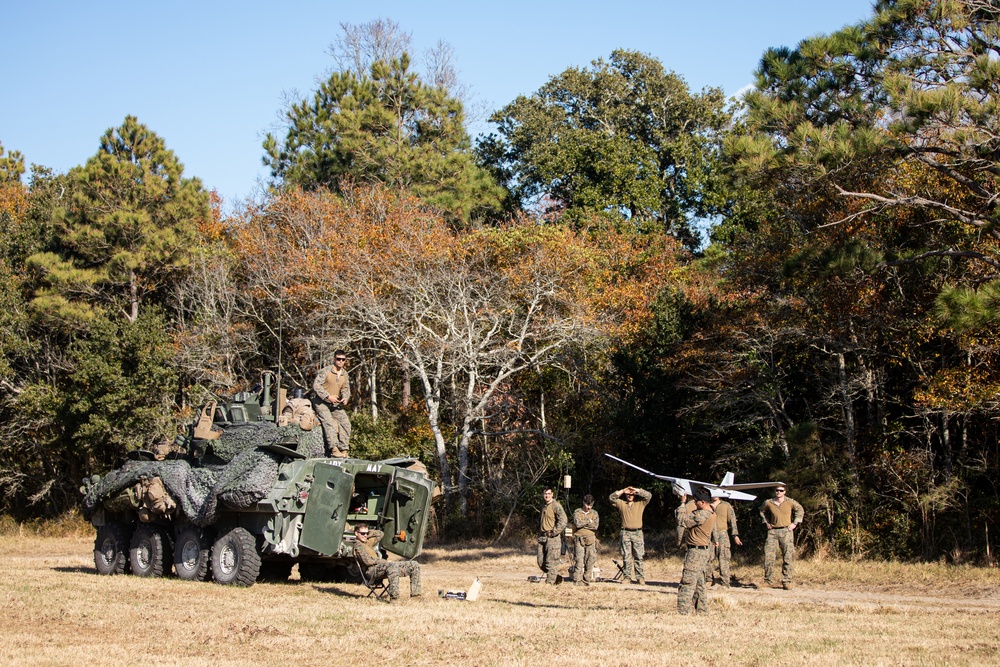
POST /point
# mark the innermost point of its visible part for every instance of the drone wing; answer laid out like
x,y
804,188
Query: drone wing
x,y
728,489
687,487
679,485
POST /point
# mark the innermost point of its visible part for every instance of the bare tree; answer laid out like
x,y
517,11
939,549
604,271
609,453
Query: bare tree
x,y
361,45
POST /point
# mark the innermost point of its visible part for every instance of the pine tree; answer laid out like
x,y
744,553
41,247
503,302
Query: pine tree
x,y
127,227
387,127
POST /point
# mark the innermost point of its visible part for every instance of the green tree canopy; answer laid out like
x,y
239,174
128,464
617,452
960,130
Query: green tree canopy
x,y
126,226
388,127
624,137
11,165
915,90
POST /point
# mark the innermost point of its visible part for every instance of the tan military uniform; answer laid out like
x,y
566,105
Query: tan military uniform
x,y
376,568
725,526
632,541
780,538
550,529
333,418
697,538
585,526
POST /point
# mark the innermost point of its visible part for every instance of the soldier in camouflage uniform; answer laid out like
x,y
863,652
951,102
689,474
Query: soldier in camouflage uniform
x,y
585,523
782,515
376,568
550,529
725,526
333,390
633,545
697,539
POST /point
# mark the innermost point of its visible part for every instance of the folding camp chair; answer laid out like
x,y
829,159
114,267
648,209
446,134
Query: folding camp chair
x,y
379,587
619,577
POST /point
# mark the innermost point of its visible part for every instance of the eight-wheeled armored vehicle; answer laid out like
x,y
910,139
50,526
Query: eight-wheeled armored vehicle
x,y
246,493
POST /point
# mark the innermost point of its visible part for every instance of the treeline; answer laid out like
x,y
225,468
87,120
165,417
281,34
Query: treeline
x,y
515,307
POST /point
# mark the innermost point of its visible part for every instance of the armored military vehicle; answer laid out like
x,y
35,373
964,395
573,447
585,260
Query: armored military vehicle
x,y
246,494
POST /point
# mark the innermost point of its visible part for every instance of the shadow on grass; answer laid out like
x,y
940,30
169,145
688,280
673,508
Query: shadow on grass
x,y
76,569
350,591
469,553
536,605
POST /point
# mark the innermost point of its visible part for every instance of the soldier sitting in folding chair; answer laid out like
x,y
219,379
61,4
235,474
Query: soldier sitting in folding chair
x,y
374,569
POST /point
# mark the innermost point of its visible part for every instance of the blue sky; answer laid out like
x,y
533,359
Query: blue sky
x,y
211,77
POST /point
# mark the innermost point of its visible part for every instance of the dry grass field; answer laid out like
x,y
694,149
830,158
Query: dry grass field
x,y
56,610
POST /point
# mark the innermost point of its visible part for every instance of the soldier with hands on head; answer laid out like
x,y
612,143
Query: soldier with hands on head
x,y
782,516
725,526
585,523
333,390
699,525
376,568
550,529
633,546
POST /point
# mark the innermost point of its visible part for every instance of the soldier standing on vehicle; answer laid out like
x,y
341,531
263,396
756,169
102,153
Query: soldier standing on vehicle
x,y
725,526
550,529
585,523
697,539
782,515
377,569
333,390
633,546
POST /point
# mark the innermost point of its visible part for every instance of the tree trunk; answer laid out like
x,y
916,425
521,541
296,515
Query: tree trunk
x,y
133,288
404,401
849,426
373,389
433,418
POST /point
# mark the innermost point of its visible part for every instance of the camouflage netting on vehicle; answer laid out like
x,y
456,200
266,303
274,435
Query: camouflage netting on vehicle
x,y
244,480
310,442
241,483
188,486
234,441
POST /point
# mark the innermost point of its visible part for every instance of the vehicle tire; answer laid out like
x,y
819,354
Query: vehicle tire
x,y
275,571
111,548
149,551
191,555
235,559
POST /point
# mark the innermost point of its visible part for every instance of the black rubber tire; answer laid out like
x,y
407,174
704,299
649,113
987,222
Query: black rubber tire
x,y
192,554
235,560
111,548
275,571
149,551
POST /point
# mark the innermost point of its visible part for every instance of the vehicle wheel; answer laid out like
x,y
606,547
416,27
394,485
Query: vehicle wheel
x,y
111,548
235,559
275,571
191,555
149,551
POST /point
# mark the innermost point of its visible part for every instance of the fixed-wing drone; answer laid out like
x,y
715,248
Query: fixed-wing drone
x,y
691,487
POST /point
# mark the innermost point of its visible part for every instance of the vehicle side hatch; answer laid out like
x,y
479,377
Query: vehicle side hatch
x,y
326,509
407,513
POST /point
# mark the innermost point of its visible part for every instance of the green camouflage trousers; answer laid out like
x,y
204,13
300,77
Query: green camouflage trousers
x,y
692,591
586,558
549,550
783,539
723,553
336,428
633,549
393,571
